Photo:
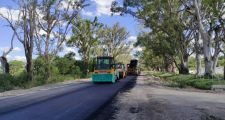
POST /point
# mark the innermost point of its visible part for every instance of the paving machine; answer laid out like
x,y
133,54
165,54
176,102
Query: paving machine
x,y
132,67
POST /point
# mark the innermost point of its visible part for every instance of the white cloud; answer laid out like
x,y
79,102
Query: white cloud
x,y
132,38
103,7
11,14
67,3
72,49
87,13
17,49
19,58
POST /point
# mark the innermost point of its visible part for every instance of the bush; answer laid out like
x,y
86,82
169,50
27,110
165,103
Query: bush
x,y
183,81
16,67
5,82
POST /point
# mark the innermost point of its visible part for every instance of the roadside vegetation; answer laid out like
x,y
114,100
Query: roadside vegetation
x,y
63,68
182,81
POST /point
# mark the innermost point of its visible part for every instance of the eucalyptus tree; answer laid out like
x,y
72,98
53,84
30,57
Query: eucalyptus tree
x,y
54,22
85,38
210,25
181,21
114,40
166,21
24,28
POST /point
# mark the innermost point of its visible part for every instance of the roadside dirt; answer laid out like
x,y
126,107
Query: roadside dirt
x,y
149,99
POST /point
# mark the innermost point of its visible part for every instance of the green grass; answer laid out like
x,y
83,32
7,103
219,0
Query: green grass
x,y
182,81
9,82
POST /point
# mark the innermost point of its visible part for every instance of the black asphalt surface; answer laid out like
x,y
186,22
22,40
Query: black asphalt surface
x,y
79,104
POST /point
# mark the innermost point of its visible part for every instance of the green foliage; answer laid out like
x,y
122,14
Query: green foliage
x,y
85,38
5,82
114,40
183,81
192,63
16,67
220,61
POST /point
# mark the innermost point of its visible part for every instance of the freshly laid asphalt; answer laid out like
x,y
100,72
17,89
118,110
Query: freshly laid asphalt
x,y
73,102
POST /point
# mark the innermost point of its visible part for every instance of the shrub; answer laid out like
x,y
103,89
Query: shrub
x,y
16,67
188,80
5,82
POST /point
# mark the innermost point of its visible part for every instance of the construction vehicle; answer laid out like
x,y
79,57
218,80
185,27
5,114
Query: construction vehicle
x,y
132,67
122,70
105,70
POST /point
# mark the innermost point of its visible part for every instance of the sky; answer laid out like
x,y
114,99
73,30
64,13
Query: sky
x,y
99,8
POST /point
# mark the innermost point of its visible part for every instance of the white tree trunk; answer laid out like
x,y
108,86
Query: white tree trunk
x,y
206,41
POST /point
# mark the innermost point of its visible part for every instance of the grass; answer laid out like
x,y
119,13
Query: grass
x,y
9,82
182,81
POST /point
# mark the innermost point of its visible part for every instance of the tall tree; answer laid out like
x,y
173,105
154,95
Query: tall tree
x,y
114,40
24,29
85,38
54,23
208,25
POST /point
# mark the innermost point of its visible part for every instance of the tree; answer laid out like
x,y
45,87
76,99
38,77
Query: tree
x,y
24,29
113,40
179,22
85,38
3,59
54,23
216,10
66,64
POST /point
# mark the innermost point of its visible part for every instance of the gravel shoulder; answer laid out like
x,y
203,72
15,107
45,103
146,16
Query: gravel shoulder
x,y
149,99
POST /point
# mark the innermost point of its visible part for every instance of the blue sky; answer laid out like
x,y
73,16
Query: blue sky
x,y
98,8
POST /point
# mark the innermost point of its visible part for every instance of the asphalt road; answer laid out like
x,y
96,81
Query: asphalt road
x,y
74,102
151,99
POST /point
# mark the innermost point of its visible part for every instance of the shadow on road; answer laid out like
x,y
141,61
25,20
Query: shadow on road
x,y
107,111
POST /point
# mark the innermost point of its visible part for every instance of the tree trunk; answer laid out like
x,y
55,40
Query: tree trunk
x,y
168,64
29,64
86,64
198,64
184,65
215,61
198,53
4,64
47,59
224,67
29,68
206,42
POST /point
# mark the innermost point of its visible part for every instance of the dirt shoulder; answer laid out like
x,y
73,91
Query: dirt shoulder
x,y
151,99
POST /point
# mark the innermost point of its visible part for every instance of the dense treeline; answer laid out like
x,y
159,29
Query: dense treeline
x,y
177,29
